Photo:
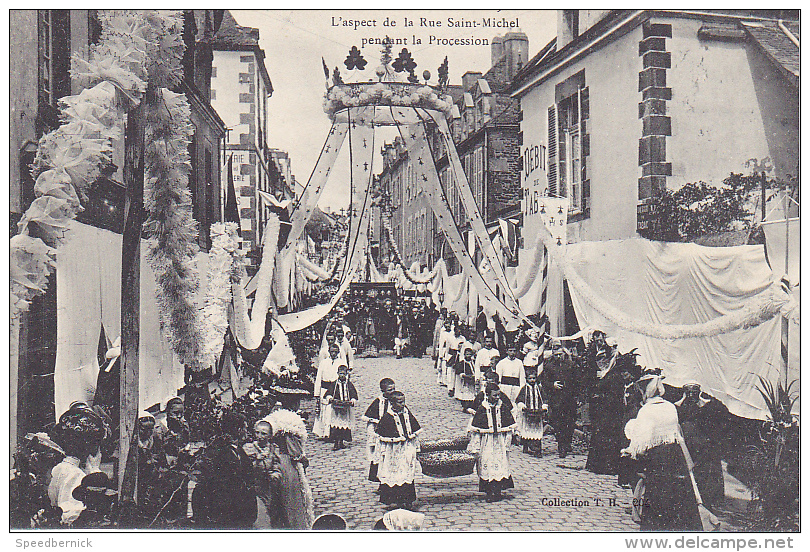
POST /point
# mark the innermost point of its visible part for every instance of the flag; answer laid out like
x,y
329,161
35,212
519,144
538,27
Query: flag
x,y
509,233
231,206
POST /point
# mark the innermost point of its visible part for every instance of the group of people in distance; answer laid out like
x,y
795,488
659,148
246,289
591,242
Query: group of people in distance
x,y
404,327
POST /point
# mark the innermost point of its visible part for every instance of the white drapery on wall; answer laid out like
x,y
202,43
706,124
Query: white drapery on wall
x,y
88,294
681,283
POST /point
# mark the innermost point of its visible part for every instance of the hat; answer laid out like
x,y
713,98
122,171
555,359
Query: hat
x,y
403,520
94,485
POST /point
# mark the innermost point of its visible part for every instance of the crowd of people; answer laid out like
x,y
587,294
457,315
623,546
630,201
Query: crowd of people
x,y
515,386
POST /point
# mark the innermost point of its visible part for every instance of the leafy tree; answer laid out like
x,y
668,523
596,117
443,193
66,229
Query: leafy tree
x,y
444,73
699,209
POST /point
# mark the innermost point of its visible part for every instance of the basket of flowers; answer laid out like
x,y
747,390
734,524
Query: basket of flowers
x,y
446,463
454,443
446,457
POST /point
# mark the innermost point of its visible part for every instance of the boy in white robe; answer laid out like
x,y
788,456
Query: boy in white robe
x,y
530,428
398,431
326,377
490,434
372,417
483,360
341,399
511,373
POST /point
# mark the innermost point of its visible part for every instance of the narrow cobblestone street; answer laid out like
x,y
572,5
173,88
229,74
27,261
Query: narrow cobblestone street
x,y
340,485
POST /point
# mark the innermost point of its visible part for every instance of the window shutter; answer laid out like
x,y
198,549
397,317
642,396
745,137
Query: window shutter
x,y
563,123
552,150
585,111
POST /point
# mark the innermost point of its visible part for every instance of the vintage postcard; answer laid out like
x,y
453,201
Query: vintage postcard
x,y
438,270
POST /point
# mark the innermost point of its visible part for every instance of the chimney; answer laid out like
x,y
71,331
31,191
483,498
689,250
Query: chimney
x,y
469,79
516,48
497,49
567,27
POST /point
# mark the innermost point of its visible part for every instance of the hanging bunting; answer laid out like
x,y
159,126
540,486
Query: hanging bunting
x,y
416,142
249,329
305,206
473,213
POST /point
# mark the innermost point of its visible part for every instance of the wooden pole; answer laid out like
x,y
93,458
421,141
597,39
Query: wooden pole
x,y
785,322
130,300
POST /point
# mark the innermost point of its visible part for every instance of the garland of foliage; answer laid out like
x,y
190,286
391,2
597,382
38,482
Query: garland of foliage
x,y
322,275
764,307
171,231
389,235
69,158
224,254
170,227
397,94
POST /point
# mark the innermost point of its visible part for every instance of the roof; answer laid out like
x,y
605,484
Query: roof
x,y
777,44
231,36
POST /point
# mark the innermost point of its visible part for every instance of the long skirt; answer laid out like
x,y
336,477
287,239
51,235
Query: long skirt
x,y
465,389
604,450
321,426
669,502
440,368
529,428
397,470
449,370
398,494
341,423
295,504
494,471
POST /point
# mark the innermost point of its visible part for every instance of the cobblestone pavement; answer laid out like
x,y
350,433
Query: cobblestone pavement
x,y
340,485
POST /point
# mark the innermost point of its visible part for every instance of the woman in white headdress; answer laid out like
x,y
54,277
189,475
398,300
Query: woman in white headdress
x,y
655,439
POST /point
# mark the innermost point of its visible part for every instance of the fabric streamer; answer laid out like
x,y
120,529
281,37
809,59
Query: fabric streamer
x,y
415,141
706,314
304,209
249,328
474,215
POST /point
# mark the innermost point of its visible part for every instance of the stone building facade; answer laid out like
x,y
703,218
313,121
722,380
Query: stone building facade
x,y
485,129
240,88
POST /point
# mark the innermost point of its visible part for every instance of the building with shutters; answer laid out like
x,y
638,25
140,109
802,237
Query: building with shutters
x,y
485,129
625,102
41,45
240,88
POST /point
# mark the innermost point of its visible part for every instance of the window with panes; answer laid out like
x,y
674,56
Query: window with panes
x,y
568,146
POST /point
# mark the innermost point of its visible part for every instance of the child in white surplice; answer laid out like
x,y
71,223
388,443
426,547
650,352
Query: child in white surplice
x,y
490,435
530,427
466,374
341,399
398,431
372,417
326,377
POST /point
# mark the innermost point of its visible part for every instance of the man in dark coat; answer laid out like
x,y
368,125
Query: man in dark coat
x,y
225,497
560,387
703,419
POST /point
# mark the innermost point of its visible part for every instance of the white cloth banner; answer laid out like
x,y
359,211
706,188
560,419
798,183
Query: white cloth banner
x,y
775,242
680,283
299,320
416,142
315,184
474,215
88,294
